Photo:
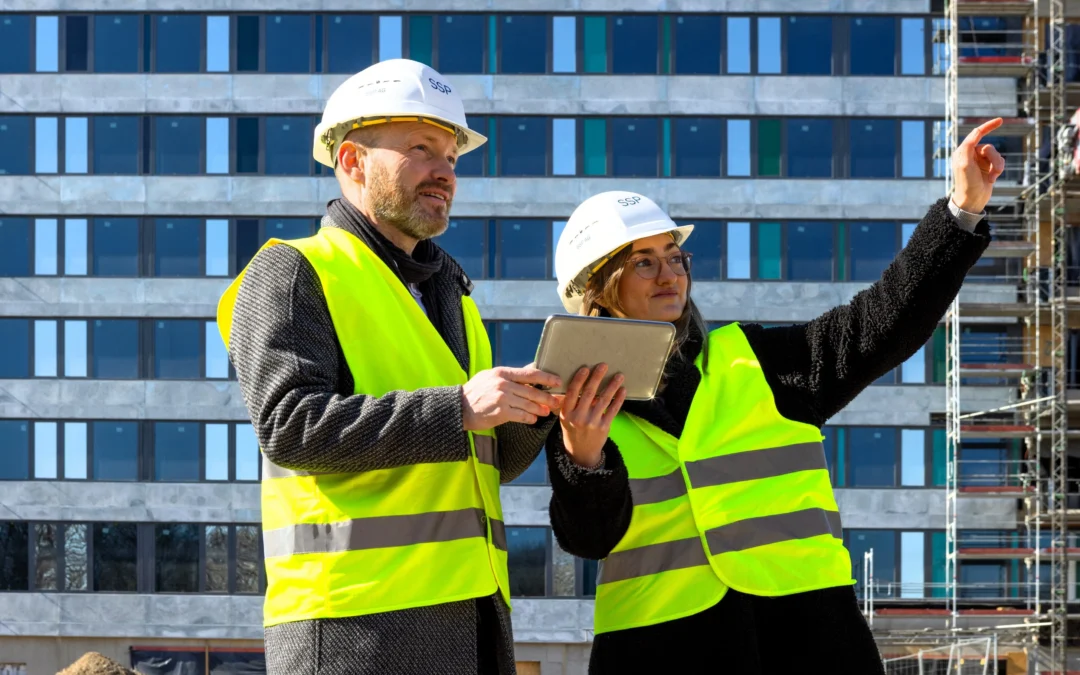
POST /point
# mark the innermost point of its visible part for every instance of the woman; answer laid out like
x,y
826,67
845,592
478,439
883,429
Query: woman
x,y
711,505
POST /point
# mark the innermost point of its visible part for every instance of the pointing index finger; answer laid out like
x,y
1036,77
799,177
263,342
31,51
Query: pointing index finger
x,y
982,130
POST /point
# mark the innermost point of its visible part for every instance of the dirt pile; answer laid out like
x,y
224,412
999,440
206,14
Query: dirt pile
x,y
93,663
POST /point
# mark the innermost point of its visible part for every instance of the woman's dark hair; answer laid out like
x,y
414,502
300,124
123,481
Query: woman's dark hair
x,y
601,298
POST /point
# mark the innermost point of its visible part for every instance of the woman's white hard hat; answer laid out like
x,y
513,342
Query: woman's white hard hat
x,y
395,90
601,226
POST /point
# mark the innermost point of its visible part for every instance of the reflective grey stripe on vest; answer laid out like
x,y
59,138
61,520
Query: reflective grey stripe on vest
x,y
658,489
737,536
652,559
741,466
485,450
744,534
381,532
485,453
755,464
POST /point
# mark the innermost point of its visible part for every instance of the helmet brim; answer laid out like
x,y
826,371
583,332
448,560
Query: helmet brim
x,y
326,154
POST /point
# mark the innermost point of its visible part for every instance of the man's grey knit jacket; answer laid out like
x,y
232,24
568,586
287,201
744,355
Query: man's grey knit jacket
x,y
299,392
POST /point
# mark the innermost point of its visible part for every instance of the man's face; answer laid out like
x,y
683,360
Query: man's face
x,y
409,178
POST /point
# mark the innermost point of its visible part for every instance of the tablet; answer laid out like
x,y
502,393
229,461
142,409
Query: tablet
x,y
637,349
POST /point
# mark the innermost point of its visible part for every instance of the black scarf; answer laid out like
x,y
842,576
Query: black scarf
x,y
419,268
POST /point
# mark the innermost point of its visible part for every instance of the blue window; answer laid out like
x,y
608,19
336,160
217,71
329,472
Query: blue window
x,y
517,342
114,349
14,145
738,45
247,43
697,146
873,45
465,241
462,40
288,43
287,228
634,44
247,145
707,245
351,42
523,142
472,163
176,558
178,247
527,555
872,457
176,451
883,543
14,247
536,474
14,556
76,42
913,46
873,148
115,557
116,145
635,146
178,349
15,356
987,580
288,146
178,43
15,37
810,250
697,44
810,148
15,440
873,247
523,249
115,250
524,43
769,52
116,43
809,45
178,143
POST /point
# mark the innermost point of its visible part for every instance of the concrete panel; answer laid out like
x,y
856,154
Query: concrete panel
x,y
135,616
744,6
557,94
759,301
151,502
920,509
122,399
559,620
912,405
485,197
133,502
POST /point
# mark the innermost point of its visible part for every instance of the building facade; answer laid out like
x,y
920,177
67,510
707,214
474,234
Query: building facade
x,y
146,154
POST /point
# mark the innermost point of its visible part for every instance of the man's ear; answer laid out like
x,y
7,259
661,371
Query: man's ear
x,y
350,158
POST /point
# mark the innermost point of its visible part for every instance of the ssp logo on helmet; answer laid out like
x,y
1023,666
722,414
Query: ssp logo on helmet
x,y
396,90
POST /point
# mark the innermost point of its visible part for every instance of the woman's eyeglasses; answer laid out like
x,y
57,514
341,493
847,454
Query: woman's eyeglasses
x,y
648,266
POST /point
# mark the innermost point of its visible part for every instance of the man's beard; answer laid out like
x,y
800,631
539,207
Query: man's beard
x,y
395,205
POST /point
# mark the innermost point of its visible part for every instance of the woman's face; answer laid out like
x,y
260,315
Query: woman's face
x,y
662,297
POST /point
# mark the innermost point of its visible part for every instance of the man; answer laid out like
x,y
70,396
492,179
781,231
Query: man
x,y
384,430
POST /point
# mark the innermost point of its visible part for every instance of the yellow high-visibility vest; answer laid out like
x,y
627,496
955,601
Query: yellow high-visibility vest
x,y
349,544
741,500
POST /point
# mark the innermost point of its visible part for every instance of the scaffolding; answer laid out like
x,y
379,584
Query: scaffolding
x,y
1027,287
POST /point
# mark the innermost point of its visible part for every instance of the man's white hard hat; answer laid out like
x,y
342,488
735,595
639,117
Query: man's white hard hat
x,y
598,229
395,90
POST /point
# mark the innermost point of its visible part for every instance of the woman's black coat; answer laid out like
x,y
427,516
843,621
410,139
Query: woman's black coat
x,y
814,370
